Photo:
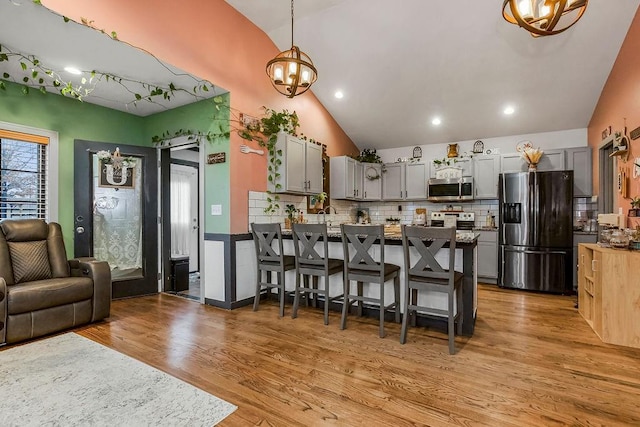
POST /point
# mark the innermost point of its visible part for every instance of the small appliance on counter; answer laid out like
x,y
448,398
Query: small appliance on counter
x,y
420,217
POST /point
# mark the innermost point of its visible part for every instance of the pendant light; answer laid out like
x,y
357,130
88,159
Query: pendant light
x,y
291,72
544,17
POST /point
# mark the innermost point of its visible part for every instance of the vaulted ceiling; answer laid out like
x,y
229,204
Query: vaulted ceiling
x,y
399,64
402,63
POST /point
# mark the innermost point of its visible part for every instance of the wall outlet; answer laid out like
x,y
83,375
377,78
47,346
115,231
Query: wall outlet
x,y
216,210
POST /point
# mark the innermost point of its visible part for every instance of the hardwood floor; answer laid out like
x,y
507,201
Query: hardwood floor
x,y
532,361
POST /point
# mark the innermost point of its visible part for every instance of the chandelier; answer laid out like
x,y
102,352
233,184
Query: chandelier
x,y
544,17
291,72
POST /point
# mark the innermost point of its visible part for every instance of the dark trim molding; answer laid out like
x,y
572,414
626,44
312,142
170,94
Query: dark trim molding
x,y
185,163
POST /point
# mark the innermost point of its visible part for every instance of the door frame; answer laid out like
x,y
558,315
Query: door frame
x,y
164,225
83,242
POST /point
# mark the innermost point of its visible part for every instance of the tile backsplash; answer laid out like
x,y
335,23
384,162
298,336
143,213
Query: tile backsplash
x,y
380,211
347,210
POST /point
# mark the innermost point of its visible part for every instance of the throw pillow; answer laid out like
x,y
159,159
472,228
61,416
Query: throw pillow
x,y
30,261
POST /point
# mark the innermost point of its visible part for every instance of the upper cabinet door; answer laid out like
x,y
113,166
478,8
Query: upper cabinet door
x,y
393,181
372,181
485,178
579,161
416,181
294,163
313,168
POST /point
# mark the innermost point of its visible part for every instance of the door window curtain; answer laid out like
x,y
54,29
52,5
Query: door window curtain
x,y
180,212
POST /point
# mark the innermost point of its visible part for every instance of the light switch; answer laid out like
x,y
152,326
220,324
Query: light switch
x,y
216,209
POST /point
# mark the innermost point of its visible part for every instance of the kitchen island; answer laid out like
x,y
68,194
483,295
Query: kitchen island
x,y
466,262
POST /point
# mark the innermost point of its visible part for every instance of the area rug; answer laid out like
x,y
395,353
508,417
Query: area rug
x,y
69,380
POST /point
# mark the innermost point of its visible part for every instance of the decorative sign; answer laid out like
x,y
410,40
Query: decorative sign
x,y
214,158
635,134
116,177
417,153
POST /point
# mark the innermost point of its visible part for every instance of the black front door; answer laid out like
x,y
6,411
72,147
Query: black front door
x,y
115,211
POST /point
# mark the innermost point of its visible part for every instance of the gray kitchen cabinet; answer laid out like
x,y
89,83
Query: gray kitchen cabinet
x,y
488,256
404,181
579,161
346,178
485,176
393,180
371,186
552,160
301,166
416,181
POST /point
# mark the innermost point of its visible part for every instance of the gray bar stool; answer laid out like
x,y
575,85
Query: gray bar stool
x,y
427,274
363,268
309,263
269,260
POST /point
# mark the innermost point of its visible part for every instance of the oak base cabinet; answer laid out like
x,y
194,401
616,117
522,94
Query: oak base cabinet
x,y
608,293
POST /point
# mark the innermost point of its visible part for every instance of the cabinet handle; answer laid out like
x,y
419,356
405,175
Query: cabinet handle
x,y
405,194
594,264
365,194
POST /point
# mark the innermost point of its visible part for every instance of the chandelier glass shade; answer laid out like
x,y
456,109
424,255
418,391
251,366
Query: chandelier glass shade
x,y
292,72
544,17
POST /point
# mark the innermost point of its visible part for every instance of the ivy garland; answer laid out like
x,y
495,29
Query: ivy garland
x,y
265,131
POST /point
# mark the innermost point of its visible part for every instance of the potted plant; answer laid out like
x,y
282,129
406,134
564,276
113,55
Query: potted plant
x,y
635,206
291,212
369,155
318,200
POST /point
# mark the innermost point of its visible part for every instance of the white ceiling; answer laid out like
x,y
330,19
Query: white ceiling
x,y
400,63
35,30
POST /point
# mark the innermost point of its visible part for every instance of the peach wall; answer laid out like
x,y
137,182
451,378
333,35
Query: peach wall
x,y
211,40
620,99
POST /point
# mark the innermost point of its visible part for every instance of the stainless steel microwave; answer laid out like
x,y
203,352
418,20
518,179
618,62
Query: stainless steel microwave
x,y
450,189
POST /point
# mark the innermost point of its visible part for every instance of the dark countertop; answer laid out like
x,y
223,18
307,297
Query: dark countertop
x,y
586,233
393,239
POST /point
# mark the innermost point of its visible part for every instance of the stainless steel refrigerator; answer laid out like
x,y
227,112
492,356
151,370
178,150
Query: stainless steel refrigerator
x,y
536,232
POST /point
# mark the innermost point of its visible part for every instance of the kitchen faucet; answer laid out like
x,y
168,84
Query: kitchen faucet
x,y
324,212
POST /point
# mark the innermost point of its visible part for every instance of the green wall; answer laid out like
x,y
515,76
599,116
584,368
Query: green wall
x,y
73,119
203,116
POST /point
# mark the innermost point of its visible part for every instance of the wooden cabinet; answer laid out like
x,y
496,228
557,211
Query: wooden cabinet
x,y
300,166
488,256
552,160
371,181
404,181
579,161
608,293
485,176
577,239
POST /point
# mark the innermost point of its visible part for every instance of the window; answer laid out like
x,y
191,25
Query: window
x,y
25,184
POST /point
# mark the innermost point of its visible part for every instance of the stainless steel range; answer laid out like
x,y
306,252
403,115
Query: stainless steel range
x,y
459,220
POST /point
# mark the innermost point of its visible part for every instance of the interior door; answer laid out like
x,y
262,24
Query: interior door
x,y
115,213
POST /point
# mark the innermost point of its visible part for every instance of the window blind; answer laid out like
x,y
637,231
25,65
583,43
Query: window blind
x,y
23,175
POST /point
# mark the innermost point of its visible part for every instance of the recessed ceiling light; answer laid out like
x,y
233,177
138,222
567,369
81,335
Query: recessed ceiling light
x,y
339,94
72,70
436,121
509,110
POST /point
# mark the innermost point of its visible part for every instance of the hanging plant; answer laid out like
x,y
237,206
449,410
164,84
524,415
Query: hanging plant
x,y
265,133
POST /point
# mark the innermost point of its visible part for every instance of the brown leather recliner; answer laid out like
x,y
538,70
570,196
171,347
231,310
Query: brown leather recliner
x,y
40,291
